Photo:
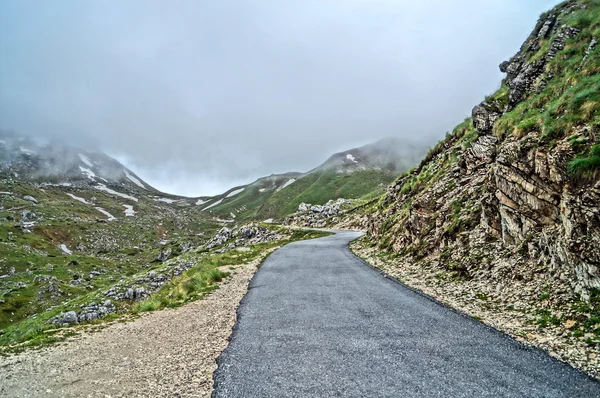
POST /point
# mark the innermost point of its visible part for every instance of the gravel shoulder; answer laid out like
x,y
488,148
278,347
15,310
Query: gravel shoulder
x,y
514,315
164,353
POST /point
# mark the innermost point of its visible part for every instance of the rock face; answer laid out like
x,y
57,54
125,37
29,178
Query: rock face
x,y
164,255
317,216
496,200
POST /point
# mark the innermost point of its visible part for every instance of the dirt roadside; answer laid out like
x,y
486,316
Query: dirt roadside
x,y
164,353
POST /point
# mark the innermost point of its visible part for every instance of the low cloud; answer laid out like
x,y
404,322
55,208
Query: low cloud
x,y
198,96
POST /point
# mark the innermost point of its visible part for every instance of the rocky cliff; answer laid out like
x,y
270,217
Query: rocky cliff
x,y
516,187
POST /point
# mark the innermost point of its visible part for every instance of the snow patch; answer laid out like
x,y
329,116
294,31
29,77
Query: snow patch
x,y
269,221
107,214
102,187
262,190
166,200
134,180
287,184
64,249
233,193
200,202
232,215
129,212
86,160
218,202
82,200
27,151
89,173
351,158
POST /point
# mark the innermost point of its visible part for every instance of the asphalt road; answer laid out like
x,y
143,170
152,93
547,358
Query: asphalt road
x,y
319,322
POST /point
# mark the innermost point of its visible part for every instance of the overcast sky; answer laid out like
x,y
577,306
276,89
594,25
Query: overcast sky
x,y
197,96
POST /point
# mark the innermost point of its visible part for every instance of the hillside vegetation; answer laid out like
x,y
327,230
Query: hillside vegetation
x,y
90,249
319,187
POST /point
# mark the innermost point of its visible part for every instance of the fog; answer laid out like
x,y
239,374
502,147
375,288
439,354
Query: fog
x,y
198,96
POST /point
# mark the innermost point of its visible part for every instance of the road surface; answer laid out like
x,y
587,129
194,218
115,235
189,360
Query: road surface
x,y
319,322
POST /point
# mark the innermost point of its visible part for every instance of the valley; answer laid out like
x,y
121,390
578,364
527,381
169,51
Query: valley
x,y
493,232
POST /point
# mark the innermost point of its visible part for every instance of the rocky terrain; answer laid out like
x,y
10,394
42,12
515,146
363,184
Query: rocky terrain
x,y
505,209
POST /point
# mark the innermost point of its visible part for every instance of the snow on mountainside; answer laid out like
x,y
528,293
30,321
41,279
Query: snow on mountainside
x,y
58,163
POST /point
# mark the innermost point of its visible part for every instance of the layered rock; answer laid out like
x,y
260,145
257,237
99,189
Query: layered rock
x,y
493,203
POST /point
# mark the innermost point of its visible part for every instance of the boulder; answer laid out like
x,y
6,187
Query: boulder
x,y
164,255
30,199
65,319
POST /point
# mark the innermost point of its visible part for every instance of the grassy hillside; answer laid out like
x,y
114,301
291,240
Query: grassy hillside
x,y
38,279
243,203
349,174
319,187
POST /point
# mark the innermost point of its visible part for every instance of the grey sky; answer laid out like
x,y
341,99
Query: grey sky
x,y
197,96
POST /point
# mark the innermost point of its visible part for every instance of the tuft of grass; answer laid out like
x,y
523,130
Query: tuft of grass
x,y
547,318
587,167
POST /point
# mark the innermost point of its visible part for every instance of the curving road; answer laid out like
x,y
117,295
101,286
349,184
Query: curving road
x,y
319,322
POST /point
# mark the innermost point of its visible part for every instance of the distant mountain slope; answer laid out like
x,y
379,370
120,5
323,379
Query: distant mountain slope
x,y
349,174
389,154
244,202
61,163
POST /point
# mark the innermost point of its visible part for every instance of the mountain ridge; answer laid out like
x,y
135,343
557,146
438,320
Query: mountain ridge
x,y
362,170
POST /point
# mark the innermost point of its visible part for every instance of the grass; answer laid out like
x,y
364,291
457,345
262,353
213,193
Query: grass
x,y
572,97
117,250
587,167
315,188
546,318
587,315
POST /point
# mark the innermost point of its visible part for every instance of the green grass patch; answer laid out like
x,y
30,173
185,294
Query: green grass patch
x,y
587,167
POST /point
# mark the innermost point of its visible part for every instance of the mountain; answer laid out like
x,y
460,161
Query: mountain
x,y
389,154
55,162
503,215
350,174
